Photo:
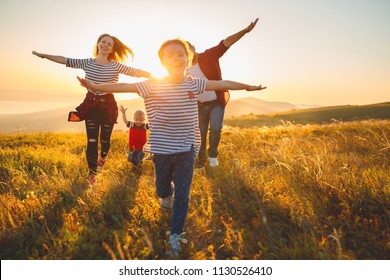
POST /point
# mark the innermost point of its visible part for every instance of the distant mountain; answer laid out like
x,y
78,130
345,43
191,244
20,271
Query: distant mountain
x,y
53,120
252,105
56,120
315,115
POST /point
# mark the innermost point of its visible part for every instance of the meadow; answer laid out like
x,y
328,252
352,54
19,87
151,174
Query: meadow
x,y
315,191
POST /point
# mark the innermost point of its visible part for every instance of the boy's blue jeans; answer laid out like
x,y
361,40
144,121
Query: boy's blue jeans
x,y
135,157
178,168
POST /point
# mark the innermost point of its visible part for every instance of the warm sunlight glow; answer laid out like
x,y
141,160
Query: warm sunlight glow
x,y
125,96
299,54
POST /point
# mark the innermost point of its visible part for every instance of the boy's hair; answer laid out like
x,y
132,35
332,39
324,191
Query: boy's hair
x,y
172,42
120,50
139,112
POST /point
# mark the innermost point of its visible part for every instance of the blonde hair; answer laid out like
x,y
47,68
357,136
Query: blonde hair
x,y
139,112
173,42
120,51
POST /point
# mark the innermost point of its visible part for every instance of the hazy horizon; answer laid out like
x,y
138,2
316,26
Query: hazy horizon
x,y
16,107
19,105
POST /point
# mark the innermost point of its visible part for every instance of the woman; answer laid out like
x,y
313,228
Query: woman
x,y
99,109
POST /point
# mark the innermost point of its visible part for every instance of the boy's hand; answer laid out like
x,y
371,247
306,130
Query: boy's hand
x,y
253,88
86,83
82,81
123,110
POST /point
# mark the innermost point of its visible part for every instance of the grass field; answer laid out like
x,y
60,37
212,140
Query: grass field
x,y
285,192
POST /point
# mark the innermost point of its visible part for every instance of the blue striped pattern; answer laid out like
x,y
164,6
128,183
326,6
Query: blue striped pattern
x,y
173,114
108,73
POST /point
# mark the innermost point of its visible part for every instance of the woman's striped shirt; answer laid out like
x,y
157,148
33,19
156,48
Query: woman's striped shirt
x,y
173,114
108,73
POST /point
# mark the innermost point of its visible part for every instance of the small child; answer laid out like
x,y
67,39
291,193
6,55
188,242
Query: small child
x,y
137,136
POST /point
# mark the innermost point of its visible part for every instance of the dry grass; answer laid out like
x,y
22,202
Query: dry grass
x,y
288,192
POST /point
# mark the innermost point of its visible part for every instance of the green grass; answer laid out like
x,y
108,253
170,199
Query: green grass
x,y
285,192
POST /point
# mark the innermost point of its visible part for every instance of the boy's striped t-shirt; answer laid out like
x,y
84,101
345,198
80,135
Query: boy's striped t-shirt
x,y
173,114
108,73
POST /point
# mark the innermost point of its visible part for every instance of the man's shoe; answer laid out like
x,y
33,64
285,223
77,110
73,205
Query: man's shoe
x,y
166,204
213,162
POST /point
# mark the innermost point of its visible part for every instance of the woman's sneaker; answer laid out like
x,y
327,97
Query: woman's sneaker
x,y
100,163
174,248
92,180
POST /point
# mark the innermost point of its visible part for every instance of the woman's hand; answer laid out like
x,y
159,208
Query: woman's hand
x,y
38,54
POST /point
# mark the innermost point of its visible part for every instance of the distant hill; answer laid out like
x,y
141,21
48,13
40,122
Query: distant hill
x,y
251,105
56,120
315,115
243,112
53,120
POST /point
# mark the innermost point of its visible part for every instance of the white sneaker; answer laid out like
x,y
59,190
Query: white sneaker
x,y
213,161
166,204
149,157
174,248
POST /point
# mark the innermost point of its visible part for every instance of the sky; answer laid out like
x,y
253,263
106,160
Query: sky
x,y
312,52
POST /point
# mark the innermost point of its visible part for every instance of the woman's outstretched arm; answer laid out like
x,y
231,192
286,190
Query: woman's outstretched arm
x,y
54,58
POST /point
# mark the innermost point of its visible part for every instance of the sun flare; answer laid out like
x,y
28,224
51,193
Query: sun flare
x,y
125,96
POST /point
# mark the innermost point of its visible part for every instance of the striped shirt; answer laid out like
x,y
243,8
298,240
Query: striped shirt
x,y
108,73
173,114
196,72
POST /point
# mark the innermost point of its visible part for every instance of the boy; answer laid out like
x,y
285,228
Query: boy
x,y
171,105
137,136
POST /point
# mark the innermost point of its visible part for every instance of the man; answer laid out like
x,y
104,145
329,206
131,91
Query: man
x,y
211,105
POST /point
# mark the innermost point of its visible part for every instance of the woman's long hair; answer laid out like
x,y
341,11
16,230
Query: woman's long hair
x,y
120,51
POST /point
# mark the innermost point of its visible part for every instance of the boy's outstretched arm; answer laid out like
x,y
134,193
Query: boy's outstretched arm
x,y
123,110
119,87
146,74
230,85
54,58
229,41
